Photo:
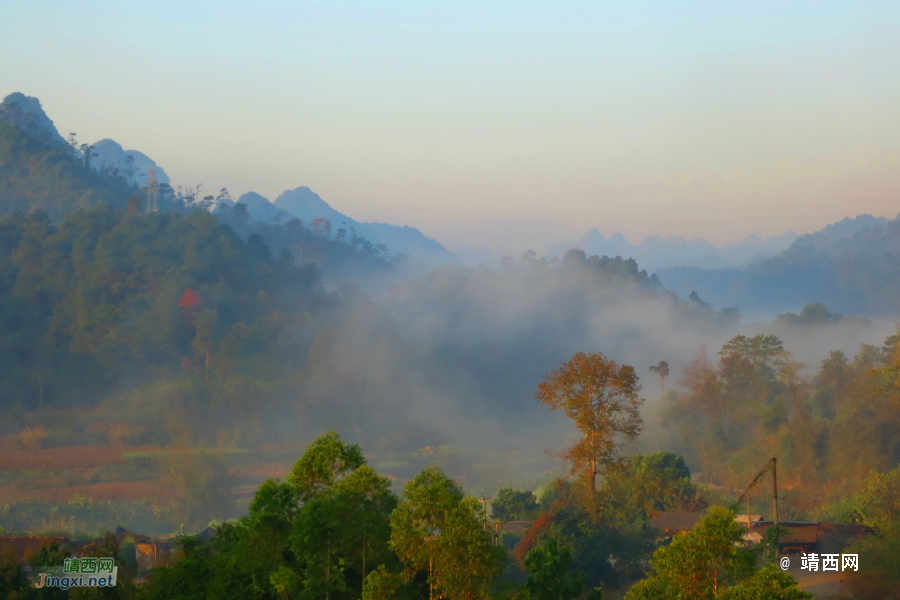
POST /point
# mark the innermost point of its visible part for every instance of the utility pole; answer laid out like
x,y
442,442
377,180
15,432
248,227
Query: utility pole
x,y
152,203
484,501
748,513
773,465
775,487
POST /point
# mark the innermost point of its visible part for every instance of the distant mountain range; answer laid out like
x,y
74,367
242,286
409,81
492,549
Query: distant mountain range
x,y
26,113
304,204
657,252
852,266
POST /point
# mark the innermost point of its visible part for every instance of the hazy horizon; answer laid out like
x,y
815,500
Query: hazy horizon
x,y
494,127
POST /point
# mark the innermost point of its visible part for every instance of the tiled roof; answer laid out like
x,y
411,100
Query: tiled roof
x,y
675,521
122,534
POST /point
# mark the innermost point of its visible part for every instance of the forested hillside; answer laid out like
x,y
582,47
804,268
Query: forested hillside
x,y
106,300
43,175
830,425
856,273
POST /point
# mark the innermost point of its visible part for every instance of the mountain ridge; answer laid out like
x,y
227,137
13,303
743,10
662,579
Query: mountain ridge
x,y
656,252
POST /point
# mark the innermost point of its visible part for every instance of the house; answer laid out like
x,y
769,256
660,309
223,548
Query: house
x,y
151,554
22,549
833,538
207,534
122,535
821,538
675,522
742,519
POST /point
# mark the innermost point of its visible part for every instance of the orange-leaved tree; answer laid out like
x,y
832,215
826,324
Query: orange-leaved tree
x,y
601,397
190,301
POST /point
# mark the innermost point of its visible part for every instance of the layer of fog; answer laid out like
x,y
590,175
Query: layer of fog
x,y
454,358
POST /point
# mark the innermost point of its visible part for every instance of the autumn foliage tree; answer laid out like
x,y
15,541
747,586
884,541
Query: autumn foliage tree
x,y
190,301
601,397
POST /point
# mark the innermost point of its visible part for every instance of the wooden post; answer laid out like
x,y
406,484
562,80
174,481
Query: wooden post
x,y
775,487
748,513
484,501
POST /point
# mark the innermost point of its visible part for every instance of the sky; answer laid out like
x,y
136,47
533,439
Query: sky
x,y
491,125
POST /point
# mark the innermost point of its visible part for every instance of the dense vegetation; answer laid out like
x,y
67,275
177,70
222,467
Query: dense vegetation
x,y
37,174
829,430
105,299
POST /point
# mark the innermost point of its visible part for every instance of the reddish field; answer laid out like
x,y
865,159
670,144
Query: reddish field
x,y
64,459
99,491
262,470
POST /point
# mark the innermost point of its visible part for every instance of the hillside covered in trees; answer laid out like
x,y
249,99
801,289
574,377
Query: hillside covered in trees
x,y
851,271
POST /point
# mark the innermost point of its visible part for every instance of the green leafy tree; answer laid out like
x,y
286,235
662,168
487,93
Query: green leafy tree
x,y
710,562
325,461
878,504
341,532
655,482
382,584
438,530
548,573
512,505
879,571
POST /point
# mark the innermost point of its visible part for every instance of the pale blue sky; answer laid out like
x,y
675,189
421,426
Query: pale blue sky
x,y
494,125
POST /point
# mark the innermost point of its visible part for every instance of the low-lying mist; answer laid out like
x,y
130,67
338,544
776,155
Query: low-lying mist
x,y
454,358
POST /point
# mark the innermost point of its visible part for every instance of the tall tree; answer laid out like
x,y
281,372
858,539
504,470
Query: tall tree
x,y
548,573
602,399
324,463
662,371
437,530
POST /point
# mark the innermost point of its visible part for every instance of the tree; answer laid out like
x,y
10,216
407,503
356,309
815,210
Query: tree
x,y
324,463
711,562
880,577
548,573
133,205
203,482
878,504
40,375
321,226
344,528
436,529
657,482
662,371
129,167
239,212
602,399
88,151
190,300
512,505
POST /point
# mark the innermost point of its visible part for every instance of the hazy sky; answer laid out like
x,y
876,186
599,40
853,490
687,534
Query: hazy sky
x,y
492,125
